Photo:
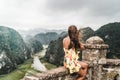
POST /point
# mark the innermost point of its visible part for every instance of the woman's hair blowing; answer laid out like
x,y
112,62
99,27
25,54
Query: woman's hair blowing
x,y
73,34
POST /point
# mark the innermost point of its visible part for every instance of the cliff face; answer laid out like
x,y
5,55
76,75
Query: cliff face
x,y
13,50
87,33
111,35
55,53
34,45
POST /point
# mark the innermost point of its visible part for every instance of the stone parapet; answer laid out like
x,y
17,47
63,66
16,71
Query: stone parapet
x,y
94,55
60,73
113,62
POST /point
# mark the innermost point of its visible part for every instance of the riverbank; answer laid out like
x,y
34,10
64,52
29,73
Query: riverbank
x,y
26,69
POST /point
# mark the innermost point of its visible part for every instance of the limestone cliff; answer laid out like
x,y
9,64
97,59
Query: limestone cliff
x,y
13,50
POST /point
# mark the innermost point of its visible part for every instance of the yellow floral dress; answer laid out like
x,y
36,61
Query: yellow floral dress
x,y
71,60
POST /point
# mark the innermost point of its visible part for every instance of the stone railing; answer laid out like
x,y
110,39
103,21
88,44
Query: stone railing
x,y
94,55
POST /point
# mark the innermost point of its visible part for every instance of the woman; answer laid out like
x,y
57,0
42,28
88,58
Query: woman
x,y
71,46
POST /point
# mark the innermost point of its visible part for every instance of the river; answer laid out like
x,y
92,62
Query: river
x,y
37,65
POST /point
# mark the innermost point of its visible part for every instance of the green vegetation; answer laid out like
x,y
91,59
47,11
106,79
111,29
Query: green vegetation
x,y
49,66
13,47
15,75
110,33
19,72
24,69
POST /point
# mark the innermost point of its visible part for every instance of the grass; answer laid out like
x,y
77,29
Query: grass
x,y
48,65
18,73
24,69
15,75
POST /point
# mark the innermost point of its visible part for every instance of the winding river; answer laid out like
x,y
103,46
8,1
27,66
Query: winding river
x,y
37,65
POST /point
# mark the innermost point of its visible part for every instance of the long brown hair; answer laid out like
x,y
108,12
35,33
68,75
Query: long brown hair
x,y
74,37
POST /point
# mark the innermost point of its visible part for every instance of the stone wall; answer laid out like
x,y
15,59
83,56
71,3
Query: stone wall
x,y
95,56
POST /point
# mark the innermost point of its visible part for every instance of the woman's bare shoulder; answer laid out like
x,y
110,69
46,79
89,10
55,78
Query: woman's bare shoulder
x,y
66,39
66,42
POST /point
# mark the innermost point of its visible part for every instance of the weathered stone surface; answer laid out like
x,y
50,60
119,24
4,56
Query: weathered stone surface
x,y
113,62
95,52
111,73
60,73
94,40
95,49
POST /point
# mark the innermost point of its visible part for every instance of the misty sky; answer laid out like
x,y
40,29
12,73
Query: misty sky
x,y
58,14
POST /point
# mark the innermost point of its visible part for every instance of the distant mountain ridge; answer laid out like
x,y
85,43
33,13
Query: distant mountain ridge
x,y
46,38
36,31
111,35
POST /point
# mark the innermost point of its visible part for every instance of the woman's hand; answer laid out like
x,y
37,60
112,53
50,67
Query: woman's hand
x,y
82,47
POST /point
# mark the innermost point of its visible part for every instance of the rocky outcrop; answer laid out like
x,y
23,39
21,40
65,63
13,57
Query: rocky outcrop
x,y
110,33
87,33
55,53
63,34
34,46
13,50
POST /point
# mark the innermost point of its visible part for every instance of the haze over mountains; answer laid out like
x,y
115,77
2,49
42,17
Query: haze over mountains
x,y
33,32
15,49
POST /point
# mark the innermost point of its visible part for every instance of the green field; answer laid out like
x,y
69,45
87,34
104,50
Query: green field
x,y
24,69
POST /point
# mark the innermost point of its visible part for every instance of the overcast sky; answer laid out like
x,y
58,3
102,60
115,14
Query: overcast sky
x,y
58,14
